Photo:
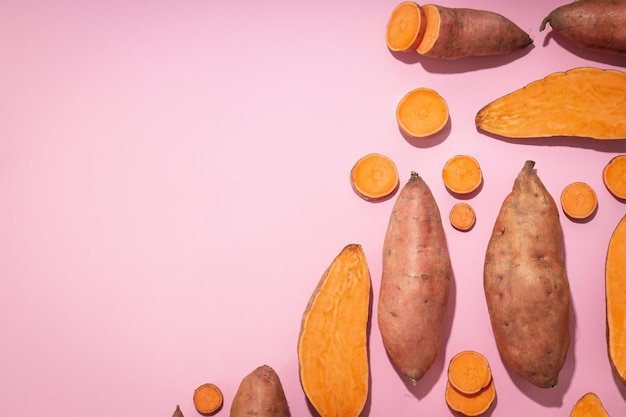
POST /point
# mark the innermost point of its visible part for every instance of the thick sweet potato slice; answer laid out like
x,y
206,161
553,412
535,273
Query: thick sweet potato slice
x,y
582,102
470,405
332,347
469,372
405,27
589,405
615,278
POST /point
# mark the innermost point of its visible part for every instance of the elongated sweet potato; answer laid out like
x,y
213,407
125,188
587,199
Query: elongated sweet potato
x,y
597,25
453,33
615,283
260,394
415,283
332,348
589,405
583,102
526,284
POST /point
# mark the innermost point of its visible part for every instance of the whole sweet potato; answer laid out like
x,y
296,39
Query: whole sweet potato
x,y
260,394
415,282
597,25
526,284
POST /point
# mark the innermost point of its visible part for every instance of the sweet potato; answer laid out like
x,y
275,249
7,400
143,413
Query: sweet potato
x,y
579,200
405,27
207,399
332,347
526,284
422,112
589,405
615,287
374,177
260,394
597,25
582,102
614,176
462,217
469,372
462,174
470,405
453,33
415,283
177,412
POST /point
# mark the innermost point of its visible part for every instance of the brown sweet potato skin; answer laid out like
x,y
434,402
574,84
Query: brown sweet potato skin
x,y
415,283
468,32
525,282
260,394
598,25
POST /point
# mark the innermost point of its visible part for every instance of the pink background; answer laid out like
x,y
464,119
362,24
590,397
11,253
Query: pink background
x,y
174,181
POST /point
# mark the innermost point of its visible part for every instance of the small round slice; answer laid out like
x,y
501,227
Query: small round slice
x,y
406,27
579,200
614,176
422,112
462,174
470,405
207,399
462,217
469,372
374,177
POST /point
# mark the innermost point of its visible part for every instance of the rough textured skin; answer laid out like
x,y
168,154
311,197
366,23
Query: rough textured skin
x,y
597,25
415,282
467,32
526,284
260,394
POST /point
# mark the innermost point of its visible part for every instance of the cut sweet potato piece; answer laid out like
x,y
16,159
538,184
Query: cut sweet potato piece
x,y
614,176
422,112
462,217
469,372
374,177
589,405
615,283
579,200
405,27
582,102
470,404
207,399
462,174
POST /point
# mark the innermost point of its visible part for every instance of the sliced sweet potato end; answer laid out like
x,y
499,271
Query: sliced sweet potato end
x,y
405,27
432,22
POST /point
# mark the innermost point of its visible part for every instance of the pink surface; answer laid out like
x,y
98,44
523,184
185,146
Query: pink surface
x,y
174,181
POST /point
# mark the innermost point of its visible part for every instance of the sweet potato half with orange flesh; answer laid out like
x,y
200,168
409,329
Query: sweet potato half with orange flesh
x,y
597,25
582,102
589,405
526,284
405,27
453,33
332,347
415,282
615,283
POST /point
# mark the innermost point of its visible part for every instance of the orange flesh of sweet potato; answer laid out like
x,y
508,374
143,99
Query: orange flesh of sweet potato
x,y
462,217
374,177
583,102
332,347
526,284
415,282
597,25
470,404
422,112
405,27
589,405
453,33
469,372
261,394
579,200
615,284
462,174
207,399
614,176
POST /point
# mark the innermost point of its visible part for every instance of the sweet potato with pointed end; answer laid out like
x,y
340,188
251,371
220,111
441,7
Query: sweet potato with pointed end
x,y
583,102
260,394
615,284
526,284
177,412
405,27
415,283
597,25
453,33
332,347
589,405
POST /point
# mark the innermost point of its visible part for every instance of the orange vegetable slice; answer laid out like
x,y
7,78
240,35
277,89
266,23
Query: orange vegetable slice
x,y
462,174
374,177
207,399
462,217
422,112
579,200
470,405
405,27
614,176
